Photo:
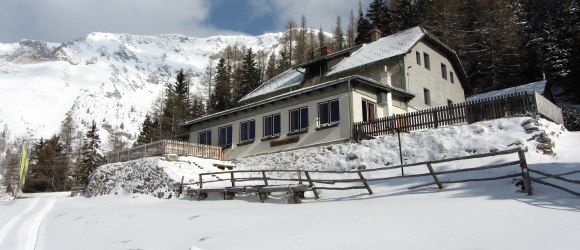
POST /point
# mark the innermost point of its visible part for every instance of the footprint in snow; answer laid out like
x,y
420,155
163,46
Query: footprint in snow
x,y
204,239
194,217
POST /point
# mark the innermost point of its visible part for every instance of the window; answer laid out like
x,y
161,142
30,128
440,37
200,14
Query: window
x,y
451,77
368,111
247,131
328,113
205,138
418,58
427,96
427,61
225,136
272,125
298,119
444,71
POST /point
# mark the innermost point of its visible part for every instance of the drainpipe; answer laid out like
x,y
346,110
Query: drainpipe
x,y
350,118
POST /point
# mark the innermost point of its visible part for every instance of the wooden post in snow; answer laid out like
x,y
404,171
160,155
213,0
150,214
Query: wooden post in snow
x,y
311,185
435,177
525,173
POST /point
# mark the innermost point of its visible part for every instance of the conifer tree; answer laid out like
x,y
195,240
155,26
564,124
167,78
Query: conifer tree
x,y
271,68
379,16
91,155
221,97
363,28
405,15
148,131
249,76
338,35
48,170
350,31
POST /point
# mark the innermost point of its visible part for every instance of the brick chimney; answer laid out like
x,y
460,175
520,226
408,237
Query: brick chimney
x,y
324,51
375,34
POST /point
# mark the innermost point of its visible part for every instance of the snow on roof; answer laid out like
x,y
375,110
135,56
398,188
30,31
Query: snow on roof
x,y
538,86
284,80
386,47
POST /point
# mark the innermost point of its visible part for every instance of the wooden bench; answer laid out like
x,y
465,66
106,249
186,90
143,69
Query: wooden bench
x,y
223,166
296,191
76,191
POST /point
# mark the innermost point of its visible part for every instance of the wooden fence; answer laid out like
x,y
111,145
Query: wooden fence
x,y
163,147
518,104
313,182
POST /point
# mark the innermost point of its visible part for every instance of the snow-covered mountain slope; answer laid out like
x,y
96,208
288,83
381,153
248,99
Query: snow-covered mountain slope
x,y
110,78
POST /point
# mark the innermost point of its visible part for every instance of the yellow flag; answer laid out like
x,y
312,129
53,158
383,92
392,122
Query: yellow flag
x,y
23,167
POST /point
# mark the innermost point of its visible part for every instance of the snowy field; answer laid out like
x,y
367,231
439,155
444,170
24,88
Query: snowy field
x,y
476,215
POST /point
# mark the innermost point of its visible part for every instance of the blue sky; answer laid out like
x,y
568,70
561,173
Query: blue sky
x,y
63,20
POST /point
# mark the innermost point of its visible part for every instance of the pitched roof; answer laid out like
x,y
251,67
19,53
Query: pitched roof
x,y
386,47
286,79
539,86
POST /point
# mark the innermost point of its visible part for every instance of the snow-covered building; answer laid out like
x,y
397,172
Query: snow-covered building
x,y
317,103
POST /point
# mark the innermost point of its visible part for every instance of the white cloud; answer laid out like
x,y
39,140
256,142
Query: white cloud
x,y
61,20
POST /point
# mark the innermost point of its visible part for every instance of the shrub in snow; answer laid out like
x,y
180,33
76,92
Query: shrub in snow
x,y
571,118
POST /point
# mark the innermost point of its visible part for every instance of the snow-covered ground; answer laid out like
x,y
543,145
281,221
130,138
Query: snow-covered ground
x,y
475,215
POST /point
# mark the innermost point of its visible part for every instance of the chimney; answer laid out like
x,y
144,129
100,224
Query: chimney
x,y
375,34
324,51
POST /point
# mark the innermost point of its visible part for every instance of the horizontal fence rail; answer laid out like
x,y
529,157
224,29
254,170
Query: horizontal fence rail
x,y
239,181
164,147
518,104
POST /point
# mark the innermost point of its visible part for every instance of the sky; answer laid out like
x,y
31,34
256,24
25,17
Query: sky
x,y
63,20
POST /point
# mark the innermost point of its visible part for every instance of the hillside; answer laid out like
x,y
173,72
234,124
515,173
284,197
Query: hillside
x,y
111,78
475,215
540,138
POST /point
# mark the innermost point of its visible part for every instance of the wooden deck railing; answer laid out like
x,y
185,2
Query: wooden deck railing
x,y
163,147
518,104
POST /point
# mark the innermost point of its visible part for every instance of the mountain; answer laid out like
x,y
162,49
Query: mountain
x,y
110,78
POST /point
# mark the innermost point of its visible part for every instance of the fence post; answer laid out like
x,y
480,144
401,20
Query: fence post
x,y
265,179
435,177
435,118
525,173
311,185
232,179
180,187
364,181
299,177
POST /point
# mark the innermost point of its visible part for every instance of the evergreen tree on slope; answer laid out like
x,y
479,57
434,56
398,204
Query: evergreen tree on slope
x,y
91,156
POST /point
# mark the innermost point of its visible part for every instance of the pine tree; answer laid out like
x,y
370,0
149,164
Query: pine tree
x,y
271,68
379,16
249,76
221,97
405,15
177,108
148,131
321,38
350,31
338,35
91,156
48,170
363,28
